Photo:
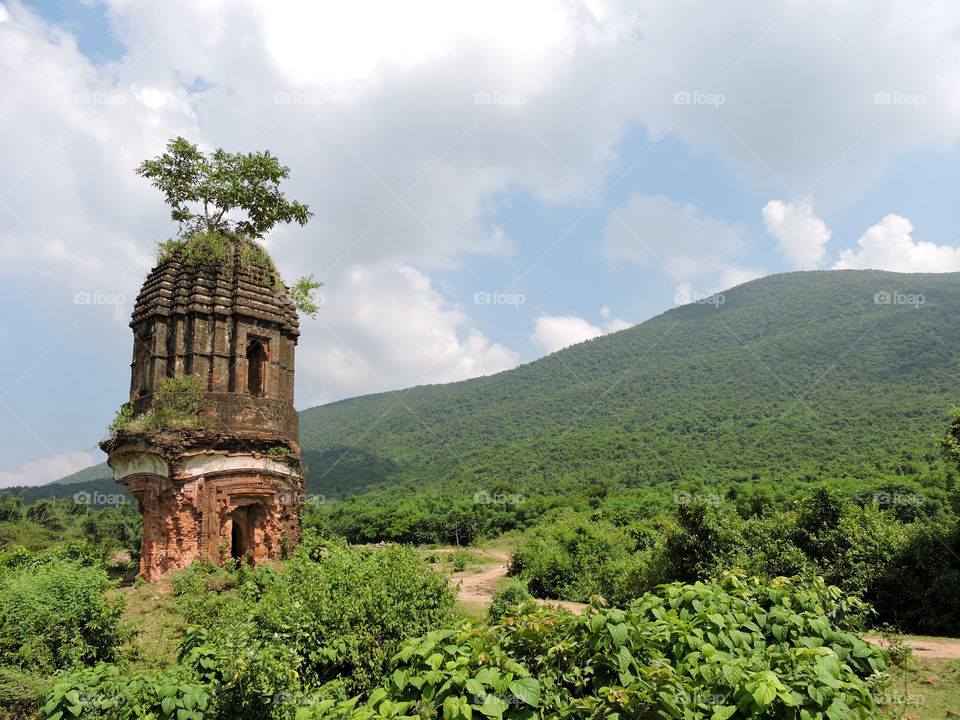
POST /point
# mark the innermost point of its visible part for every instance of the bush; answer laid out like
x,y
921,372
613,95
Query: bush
x,y
460,559
920,584
105,692
738,647
54,615
328,624
176,404
565,557
516,593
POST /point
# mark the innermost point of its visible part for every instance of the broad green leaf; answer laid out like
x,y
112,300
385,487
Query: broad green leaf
x,y
527,690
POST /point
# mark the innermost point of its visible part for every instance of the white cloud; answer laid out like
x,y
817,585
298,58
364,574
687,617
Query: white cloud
x,y
803,86
385,326
612,324
802,236
655,230
45,470
734,275
701,252
558,331
555,332
889,246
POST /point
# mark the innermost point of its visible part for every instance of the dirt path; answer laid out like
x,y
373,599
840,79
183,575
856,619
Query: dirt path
x,y
478,588
942,648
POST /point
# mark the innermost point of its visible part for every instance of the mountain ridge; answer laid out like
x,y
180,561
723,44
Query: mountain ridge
x,y
812,373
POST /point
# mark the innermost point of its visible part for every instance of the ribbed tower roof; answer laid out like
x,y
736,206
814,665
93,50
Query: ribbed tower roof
x,y
177,287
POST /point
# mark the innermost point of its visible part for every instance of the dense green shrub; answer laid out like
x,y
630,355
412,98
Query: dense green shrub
x,y
107,692
327,624
920,584
346,610
54,615
704,651
704,540
514,594
565,557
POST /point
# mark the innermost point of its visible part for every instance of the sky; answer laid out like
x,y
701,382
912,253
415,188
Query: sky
x,y
491,181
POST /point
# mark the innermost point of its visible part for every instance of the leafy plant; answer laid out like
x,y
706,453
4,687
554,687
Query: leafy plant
x,y
459,559
303,294
175,404
53,614
738,648
205,191
109,692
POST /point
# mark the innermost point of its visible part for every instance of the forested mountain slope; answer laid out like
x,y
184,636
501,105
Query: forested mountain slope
x,y
792,375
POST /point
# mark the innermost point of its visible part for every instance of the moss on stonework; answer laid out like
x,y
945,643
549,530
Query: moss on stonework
x,y
176,404
223,251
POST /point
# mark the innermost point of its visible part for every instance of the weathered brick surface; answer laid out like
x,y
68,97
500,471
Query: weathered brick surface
x,y
214,492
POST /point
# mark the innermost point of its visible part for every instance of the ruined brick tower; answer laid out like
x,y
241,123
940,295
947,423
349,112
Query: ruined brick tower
x,y
233,487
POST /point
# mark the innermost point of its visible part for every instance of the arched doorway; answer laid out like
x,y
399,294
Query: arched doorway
x,y
256,367
239,535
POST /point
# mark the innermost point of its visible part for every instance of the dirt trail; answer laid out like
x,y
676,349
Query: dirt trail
x,y
477,588
943,648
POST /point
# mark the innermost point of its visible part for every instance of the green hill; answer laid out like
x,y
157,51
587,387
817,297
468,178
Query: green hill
x,y
799,375
794,376
90,474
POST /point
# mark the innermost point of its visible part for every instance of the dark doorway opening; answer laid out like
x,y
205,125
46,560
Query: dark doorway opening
x,y
256,368
238,536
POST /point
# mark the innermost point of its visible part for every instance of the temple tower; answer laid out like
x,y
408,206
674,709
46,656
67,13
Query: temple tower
x,y
232,487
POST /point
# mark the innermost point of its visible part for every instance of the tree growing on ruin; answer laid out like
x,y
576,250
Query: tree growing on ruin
x,y
207,192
